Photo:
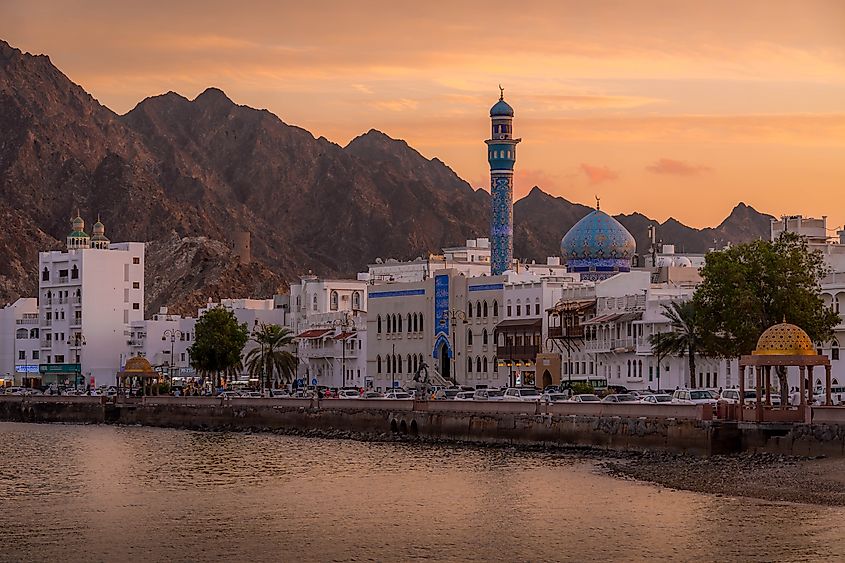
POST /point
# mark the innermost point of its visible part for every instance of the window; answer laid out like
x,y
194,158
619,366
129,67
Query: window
x,y
378,328
74,273
485,364
409,325
478,364
510,310
45,275
484,308
834,350
399,370
33,333
21,354
35,354
314,302
136,260
421,322
356,300
495,308
60,358
518,310
62,273
378,364
469,365
495,364
135,306
469,337
484,338
536,308
469,309
136,285
399,318
409,364
21,333
334,301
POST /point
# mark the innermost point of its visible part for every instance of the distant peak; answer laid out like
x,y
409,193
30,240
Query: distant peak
x,y
213,94
537,192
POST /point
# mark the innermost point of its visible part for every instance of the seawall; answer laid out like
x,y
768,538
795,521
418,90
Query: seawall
x,y
677,428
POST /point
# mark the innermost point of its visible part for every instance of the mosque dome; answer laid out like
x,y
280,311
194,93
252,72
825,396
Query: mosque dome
x,y
784,339
77,227
501,109
598,236
683,262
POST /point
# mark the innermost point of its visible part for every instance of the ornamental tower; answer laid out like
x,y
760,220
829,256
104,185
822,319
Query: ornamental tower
x,y
501,153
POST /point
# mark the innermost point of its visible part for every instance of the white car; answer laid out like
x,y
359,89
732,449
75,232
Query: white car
x,y
731,396
465,396
397,395
656,399
693,397
585,398
620,398
521,394
554,397
488,395
348,394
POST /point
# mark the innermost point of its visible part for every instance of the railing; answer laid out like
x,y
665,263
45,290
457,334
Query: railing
x,y
566,332
62,279
517,352
29,321
46,343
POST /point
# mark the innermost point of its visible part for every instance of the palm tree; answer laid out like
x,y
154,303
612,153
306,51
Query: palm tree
x,y
684,338
271,361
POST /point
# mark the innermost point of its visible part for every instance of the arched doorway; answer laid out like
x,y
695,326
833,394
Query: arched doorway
x,y
443,354
547,379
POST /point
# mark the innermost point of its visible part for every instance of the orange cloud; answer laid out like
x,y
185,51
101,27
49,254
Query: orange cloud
x,y
677,168
598,174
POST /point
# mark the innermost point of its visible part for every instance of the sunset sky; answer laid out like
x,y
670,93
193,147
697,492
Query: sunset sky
x,y
669,108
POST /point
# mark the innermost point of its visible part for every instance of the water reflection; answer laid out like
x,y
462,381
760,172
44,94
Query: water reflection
x,y
114,494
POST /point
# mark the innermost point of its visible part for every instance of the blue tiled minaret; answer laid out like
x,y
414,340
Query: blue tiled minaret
x,y
501,153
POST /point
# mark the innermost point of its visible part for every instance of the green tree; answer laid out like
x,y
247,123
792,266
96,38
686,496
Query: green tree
x,y
271,361
749,287
218,343
685,337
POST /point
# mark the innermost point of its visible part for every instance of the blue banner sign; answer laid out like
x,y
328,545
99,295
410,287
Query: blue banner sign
x,y
441,304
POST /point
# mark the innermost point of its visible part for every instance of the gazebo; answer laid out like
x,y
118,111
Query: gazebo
x,y
138,369
786,345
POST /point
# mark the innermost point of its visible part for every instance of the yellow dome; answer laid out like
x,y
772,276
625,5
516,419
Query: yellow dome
x,y
784,339
137,364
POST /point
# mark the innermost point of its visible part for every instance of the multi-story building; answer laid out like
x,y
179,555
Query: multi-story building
x,y
446,321
103,280
20,346
329,318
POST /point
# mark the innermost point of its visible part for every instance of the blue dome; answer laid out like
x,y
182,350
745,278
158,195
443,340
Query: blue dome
x,y
501,108
598,237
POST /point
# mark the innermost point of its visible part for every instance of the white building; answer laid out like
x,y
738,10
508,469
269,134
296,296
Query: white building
x,y
329,318
20,346
103,280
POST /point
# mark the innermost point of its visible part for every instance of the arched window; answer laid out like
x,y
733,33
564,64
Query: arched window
x,y
409,364
45,275
399,318
416,365
484,308
484,365
409,323
495,308
495,364
469,365
640,368
399,359
356,300
416,326
21,333
834,350
469,337
484,338
74,273
469,309
629,368
378,364
478,364
334,301
478,309
298,302
389,364
314,302
389,324
421,322
378,324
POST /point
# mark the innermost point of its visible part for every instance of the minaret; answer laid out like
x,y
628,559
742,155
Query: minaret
x,y
501,153
78,238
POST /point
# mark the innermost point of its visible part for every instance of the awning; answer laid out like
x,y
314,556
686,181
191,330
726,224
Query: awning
x,y
345,335
574,306
314,333
633,316
606,318
520,323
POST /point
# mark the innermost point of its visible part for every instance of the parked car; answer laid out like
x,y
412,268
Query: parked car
x,y
279,393
619,398
656,399
445,394
251,394
731,396
522,394
693,397
615,389
640,393
551,389
585,398
554,397
397,395
348,394
372,395
229,394
465,396
488,395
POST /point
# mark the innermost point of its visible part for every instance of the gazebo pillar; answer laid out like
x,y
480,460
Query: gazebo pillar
x,y
759,384
801,385
827,400
810,383
741,388
768,370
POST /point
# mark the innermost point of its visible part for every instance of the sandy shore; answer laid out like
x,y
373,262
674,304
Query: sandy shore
x,y
762,476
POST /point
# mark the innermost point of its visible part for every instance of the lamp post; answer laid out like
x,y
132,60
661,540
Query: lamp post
x,y
171,333
76,340
452,316
345,322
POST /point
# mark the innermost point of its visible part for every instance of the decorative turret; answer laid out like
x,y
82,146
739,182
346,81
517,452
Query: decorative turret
x,y
501,154
98,237
598,246
78,238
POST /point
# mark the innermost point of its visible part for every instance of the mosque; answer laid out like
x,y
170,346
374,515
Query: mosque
x,y
596,247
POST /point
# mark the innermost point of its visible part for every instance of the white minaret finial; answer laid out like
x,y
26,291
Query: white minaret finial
x,y
598,203
501,92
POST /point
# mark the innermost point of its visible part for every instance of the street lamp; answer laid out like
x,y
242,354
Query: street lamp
x,y
171,333
452,316
76,340
345,322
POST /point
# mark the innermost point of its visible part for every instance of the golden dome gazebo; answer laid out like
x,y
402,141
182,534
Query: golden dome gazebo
x,y
139,368
785,345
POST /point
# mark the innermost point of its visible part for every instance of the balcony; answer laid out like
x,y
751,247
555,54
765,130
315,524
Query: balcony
x,y
46,343
521,352
27,321
62,279
76,322
48,322
76,300
566,332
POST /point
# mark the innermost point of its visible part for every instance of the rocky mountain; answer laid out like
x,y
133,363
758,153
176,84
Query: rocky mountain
x,y
187,174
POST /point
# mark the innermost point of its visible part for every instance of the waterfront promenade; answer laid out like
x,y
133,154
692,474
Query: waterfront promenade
x,y
674,428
